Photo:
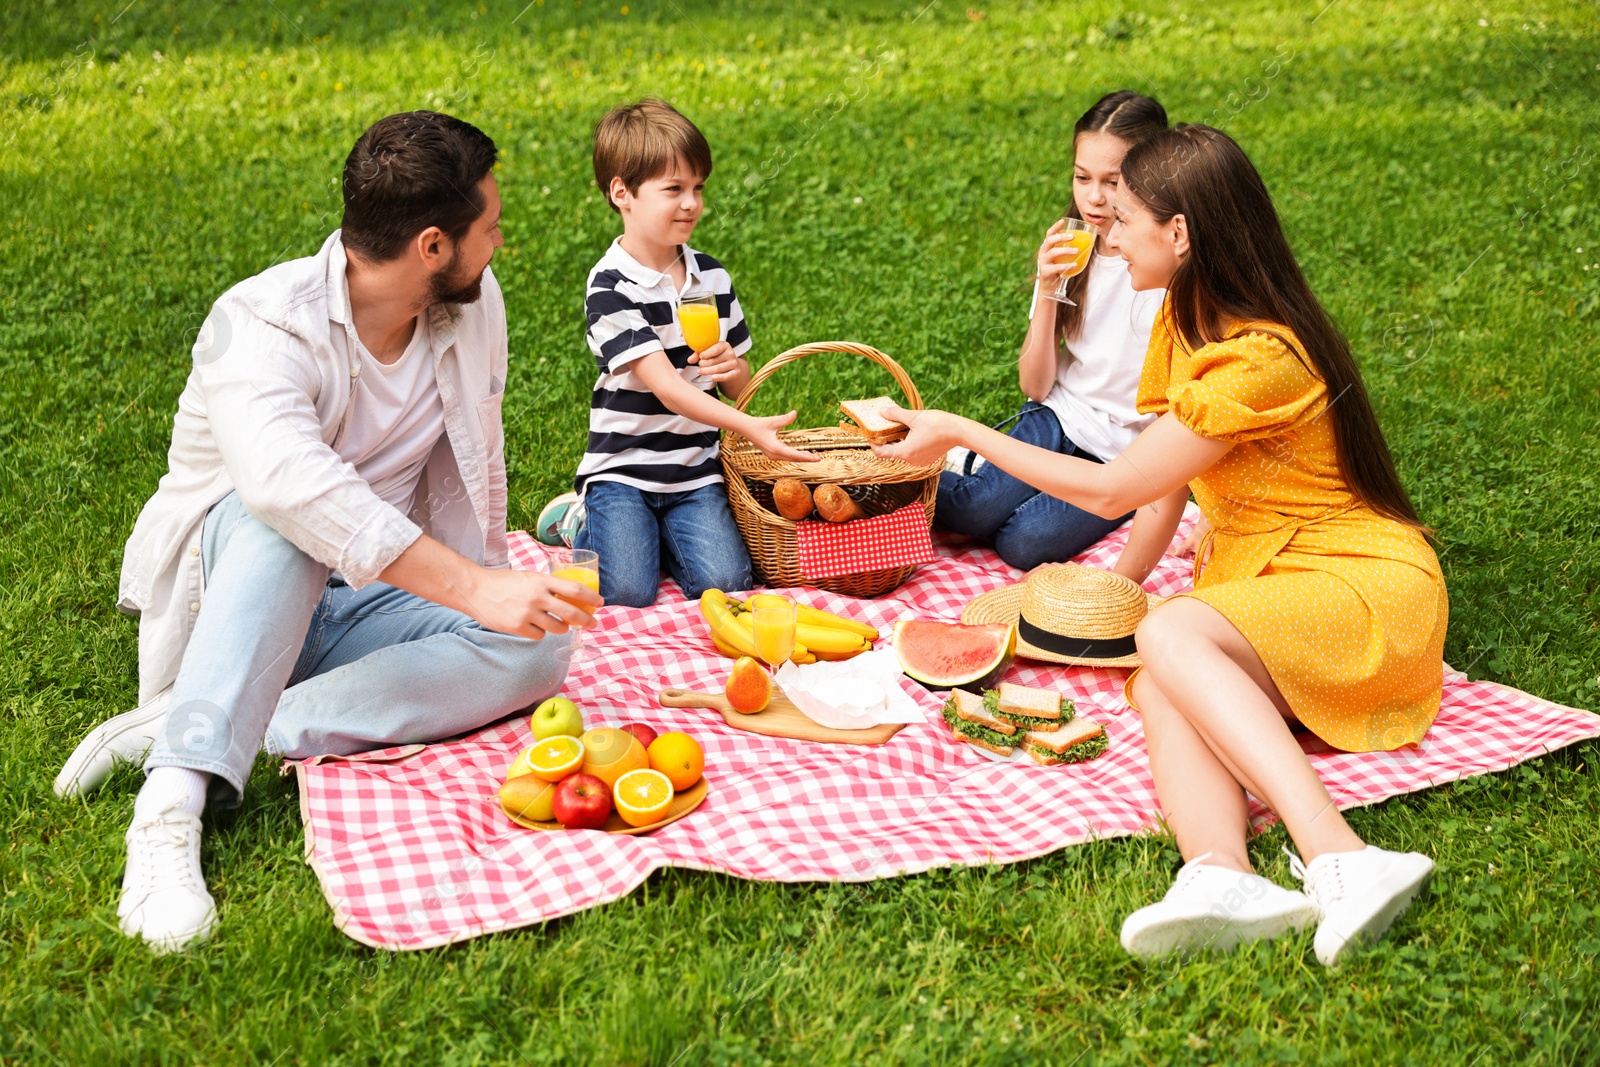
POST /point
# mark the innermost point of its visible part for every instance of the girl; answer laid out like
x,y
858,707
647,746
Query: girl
x,y
1317,598
1079,368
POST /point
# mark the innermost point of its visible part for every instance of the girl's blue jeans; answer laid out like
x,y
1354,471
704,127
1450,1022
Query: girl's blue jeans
x,y
1027,527
283,656
635,532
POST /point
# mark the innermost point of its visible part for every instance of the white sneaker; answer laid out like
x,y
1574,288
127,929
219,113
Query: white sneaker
x,y
164,898
127,737
1211,907
1359,894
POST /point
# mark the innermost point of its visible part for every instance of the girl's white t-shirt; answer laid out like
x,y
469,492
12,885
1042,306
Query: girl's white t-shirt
x,y
1097,374
396,418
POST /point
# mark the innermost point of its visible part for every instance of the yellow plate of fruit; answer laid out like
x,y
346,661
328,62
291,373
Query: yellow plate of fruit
x,y
623,780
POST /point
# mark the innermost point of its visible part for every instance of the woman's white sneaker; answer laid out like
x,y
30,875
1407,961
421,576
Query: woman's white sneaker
x,y
1359,894
1216,908
164,898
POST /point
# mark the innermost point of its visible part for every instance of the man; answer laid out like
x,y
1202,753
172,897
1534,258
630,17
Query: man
x,y
324,568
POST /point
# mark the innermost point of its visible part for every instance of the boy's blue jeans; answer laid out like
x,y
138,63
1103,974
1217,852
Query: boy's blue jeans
x,y
283,655
1027,527
635,532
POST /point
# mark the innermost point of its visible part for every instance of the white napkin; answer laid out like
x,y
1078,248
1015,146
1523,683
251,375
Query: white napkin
x,y
850,694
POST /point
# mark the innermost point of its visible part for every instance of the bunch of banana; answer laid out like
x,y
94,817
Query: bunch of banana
x,y
817,634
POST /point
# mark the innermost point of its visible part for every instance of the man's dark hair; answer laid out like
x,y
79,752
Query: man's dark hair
x,y
408,172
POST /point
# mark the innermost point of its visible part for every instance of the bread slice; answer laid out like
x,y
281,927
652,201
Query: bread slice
x,y
1080,740
1031,709
977,742
972,708
870,422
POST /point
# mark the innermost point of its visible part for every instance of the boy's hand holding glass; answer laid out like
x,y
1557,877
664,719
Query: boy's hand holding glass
x,y
719,363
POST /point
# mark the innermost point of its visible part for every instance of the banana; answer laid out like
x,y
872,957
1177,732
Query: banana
x,y
818,617
723,646
822,639
714,606
808,615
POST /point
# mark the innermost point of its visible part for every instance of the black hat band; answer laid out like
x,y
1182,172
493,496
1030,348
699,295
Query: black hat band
x,y
1076,647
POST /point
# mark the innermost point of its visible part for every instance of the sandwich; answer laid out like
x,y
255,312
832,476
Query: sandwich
x,y
973,723
1079,740
1032,709
870,422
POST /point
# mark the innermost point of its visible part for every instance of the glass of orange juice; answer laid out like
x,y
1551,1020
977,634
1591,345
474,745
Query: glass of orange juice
x,y
1074,252
773,618
702,326
579,565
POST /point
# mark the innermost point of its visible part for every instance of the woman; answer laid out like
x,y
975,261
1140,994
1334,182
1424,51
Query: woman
x,y
1317,599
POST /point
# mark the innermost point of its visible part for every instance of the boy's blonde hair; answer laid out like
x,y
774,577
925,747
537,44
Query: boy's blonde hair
x,y
637,142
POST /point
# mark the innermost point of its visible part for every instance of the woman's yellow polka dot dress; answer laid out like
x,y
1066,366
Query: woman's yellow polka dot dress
x,y
1346,608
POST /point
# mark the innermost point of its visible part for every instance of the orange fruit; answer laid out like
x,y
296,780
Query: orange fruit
x,y
610,753
749,689
642,797
555,757
678,757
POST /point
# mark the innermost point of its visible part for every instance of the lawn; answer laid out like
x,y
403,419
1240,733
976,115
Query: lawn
x,y
883,174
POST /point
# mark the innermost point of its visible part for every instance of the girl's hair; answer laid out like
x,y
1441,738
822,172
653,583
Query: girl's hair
x,y
1130,117
1240,270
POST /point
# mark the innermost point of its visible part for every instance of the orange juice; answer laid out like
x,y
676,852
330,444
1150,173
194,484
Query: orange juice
x,y
774,635
581,575
1076,251
701,326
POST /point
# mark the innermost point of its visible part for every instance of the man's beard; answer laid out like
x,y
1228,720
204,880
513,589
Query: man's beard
x,y
446,287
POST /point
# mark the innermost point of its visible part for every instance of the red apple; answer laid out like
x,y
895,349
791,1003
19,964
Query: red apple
x,y
582,802
645,734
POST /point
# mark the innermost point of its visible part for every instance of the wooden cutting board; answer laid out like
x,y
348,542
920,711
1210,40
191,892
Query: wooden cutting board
x,y
780,719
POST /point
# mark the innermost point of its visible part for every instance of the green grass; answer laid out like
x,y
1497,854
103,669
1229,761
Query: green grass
x,y
1436,166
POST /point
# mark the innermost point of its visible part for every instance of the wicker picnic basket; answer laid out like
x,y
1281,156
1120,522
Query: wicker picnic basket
x,y
878,485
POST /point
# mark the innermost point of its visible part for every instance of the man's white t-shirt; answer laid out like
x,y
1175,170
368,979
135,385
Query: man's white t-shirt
x,y
1097,376
396,418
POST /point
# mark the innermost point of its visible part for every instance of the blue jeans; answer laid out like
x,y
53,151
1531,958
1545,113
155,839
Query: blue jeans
x,y
634,532
1026,526
284,656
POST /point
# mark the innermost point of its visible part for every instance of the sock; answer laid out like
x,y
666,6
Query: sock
x,y
163,785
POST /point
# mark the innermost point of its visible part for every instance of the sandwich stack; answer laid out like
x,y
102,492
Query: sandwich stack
x,y
1042,723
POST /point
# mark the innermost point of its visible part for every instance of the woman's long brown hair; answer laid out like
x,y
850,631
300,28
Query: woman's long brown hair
x,y
1240,269
1130,117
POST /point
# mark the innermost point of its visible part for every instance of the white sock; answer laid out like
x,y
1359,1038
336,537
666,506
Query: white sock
x,y
164,785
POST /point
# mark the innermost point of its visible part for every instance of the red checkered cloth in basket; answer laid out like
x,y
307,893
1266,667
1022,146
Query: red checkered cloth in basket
x,y
413,851
898,539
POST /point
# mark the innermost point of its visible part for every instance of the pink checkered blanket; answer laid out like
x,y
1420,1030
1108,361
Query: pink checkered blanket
x,y
413,851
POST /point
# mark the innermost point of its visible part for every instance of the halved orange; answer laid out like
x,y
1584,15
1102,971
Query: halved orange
x,y
642,797
555,757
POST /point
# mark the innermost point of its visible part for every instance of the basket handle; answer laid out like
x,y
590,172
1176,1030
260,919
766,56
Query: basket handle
x,y
853,348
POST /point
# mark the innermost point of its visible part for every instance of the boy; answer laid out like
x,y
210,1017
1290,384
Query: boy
x,y
650,489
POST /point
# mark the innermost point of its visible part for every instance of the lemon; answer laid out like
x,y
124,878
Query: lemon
x,y
642,797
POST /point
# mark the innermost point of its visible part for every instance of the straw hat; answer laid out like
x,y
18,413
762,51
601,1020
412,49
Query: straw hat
x,y
1069,614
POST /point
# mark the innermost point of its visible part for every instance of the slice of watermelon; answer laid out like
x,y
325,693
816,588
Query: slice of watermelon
x,y
948,655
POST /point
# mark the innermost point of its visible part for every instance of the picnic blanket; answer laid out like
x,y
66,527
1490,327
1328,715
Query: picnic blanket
x,y
413,851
